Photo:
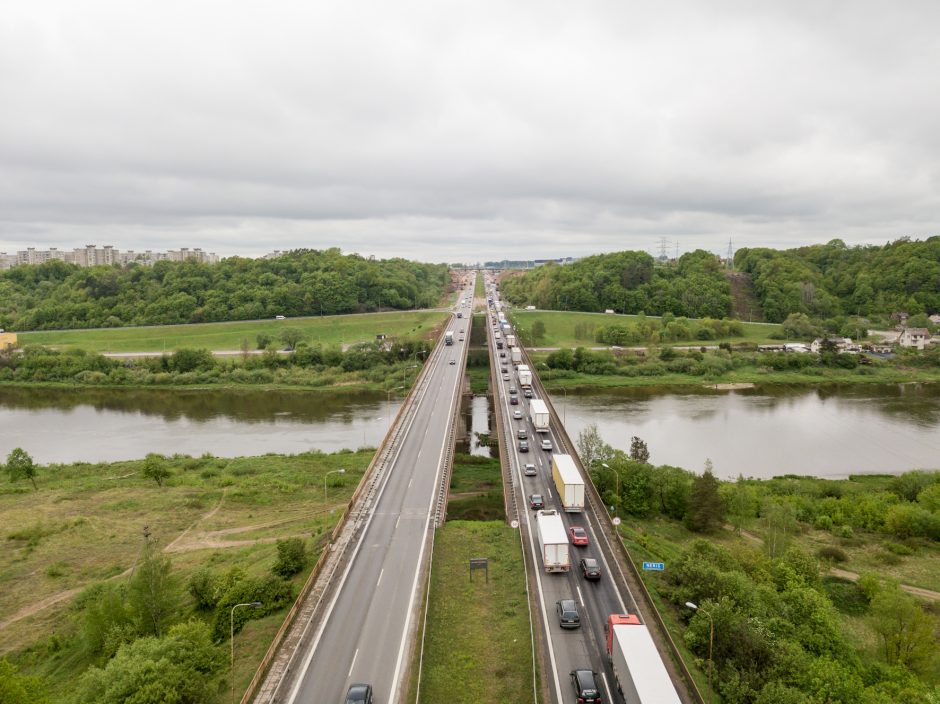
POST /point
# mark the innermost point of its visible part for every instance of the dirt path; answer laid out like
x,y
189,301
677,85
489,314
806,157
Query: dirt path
x,y
916,591
184,542
851,576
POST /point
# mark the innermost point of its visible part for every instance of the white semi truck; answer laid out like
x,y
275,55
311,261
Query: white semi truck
x,y
568,483
511,340
525,376
516,355
539,413
638,668
553,541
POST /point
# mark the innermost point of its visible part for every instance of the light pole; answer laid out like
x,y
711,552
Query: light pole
x,y
333,471
711,640
616,476
564,408
254,605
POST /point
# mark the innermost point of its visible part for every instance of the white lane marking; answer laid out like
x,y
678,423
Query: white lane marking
x,y
410,481
606,686
549,493
424,540
580,596
379,580
397,520
355,655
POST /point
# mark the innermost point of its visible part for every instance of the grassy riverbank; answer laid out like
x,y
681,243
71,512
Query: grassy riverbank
x,y
340,330
82,528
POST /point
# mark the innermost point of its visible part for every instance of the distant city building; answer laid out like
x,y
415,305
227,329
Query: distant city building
x,y
92,255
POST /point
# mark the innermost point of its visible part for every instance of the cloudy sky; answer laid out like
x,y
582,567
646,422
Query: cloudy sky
x,y
448,131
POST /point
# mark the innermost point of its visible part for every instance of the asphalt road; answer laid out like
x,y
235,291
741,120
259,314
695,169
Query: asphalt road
x,y
365,635
567,649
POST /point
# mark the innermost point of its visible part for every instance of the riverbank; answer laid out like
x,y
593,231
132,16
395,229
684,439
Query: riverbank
x,y
80,531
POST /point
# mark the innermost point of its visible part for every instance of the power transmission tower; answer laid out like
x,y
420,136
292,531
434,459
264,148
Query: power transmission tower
x,y
663,249
730,255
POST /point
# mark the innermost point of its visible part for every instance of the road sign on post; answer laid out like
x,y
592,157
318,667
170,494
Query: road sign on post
x,y
480,563
655,566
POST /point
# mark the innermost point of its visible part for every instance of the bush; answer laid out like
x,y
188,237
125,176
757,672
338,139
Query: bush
x,y
291,557
908,520
272,591
202,587
832,553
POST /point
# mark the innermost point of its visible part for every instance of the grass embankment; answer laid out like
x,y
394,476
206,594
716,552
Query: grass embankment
x,y
478,290
883,374
477,646
84,526
328,330
560,328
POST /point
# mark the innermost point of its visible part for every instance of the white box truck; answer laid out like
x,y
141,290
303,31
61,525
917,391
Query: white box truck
x,y
516,355
511,340
568,483
539,413
639,672
525,376
553,540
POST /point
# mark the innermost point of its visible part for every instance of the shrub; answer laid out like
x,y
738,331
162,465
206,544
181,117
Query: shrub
x,y
832,553
291,557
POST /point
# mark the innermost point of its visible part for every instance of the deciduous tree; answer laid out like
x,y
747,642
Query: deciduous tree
x,y
21,466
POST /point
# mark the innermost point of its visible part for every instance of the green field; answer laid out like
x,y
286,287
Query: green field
x,y
328,330
84,525
560,328
477,646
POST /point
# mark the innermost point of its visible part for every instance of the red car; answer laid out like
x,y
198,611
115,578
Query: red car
x,y
578,535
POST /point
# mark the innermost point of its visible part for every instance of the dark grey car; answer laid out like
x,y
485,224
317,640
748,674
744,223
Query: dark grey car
x,y
359,694
568,616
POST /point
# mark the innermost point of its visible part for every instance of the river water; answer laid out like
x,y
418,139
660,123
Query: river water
x,y
826,431
98,425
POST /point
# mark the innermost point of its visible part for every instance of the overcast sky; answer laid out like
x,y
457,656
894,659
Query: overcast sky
x,y
446,131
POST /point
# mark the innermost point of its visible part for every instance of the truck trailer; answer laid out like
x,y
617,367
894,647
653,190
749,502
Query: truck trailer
x,y
525,376
638,668
540,417
568,483
553,541
511,340
516,355
449,337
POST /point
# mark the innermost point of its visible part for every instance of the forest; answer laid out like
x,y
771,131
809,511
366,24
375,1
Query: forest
x,y
626,282
833,279
56,295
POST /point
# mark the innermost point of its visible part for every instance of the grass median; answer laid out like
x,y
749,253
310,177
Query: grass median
x,y
477,645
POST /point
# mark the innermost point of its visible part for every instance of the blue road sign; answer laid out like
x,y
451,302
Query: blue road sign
x,y
657,566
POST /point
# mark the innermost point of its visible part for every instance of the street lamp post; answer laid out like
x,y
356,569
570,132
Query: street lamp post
x,y
334,471
711,641
254,605
564,408
616,476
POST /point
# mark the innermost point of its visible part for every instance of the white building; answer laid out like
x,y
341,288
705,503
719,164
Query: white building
x,y
914,337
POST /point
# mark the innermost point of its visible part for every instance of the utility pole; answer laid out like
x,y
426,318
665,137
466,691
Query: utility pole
x,y
730,255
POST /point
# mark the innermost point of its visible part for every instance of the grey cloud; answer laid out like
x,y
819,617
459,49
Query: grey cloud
x,y
450,131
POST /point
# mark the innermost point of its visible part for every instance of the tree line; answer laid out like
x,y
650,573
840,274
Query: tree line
x,y
56,295
626,282
833,279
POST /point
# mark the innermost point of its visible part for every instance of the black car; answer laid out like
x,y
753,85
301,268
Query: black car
x,y
527,393
590,568
568,616
523,446
585,686
513,400
359,694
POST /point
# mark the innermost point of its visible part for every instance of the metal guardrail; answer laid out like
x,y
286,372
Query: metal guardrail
x,y
611,531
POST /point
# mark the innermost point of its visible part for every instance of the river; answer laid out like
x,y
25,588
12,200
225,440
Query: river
x,y
825,431
105,425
